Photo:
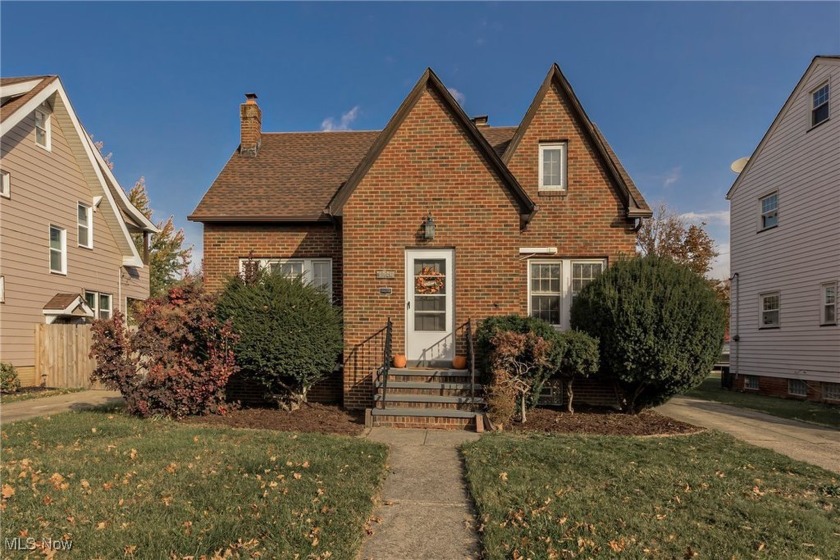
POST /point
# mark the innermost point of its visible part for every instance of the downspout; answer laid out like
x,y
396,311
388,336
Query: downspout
x,y
737,336
119,290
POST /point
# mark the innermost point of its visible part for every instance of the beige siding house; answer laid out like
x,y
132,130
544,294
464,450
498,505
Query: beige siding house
x,y
66,252
785,247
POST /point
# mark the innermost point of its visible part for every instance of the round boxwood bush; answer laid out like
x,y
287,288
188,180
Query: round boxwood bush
x,y
289,333
659,324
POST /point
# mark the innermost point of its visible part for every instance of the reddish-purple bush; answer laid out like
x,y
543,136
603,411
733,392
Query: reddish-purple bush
x,y
176,363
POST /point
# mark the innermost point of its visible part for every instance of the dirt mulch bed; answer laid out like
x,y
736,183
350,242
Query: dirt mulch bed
x,y
311,417
602,422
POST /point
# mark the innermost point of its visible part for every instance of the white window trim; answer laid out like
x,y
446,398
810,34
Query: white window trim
x,y
96,307
761,297
63,250
5,184
564,159
47,129
89,212
566,268
824,305
2,289
761,213
308,269
815,107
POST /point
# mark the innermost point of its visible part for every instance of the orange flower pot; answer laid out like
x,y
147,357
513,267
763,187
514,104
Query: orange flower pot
x,y
399,360
459,362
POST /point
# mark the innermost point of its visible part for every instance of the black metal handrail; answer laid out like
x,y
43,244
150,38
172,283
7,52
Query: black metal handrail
x,y
470,356
383,370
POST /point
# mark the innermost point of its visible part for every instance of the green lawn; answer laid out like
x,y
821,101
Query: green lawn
x,y
122,487
805,411
705,496
24,395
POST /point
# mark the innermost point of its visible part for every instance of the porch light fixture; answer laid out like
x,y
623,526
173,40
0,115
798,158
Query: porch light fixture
x,y
429,228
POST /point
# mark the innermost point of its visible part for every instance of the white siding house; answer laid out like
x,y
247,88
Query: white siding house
x,y
785,247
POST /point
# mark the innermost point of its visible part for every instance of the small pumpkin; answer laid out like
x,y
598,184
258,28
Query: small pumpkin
x,y
459,362
400,360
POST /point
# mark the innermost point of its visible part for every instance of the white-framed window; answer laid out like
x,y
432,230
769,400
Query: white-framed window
x,y
769,211
770,305
751,382
553,164
317,272
42,129
5,184
2,289
819,104
84,218
828,308
831,391
102,304
797,388
553,284
58,250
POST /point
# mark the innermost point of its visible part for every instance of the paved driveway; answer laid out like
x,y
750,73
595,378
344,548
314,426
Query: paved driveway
x,y
46,406
798,440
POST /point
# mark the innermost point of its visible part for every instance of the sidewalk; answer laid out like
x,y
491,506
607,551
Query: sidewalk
x,y
425,508
47,406
804,442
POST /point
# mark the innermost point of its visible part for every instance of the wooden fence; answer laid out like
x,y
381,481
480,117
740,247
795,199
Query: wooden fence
x,y
61,356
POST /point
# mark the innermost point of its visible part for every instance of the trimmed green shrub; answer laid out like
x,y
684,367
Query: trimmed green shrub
x,y
9,381
659,324
491,326
581,359
290,333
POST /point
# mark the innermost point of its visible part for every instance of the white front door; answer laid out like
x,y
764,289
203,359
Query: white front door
x,y
429,309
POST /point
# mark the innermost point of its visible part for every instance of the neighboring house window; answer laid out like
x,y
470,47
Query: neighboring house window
x,y
58,250
42,128
831,391
5,184
797,388
85,221
819,105
770,307
546,295
770,211
828,309
100,303
2,289
751,382
554,284
317,272
553,166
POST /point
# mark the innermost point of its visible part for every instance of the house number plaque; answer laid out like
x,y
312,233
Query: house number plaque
x,y
385,274
385,291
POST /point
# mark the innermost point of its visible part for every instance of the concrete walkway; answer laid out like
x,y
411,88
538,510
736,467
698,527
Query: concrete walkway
x,y
32,408
798,440
426,512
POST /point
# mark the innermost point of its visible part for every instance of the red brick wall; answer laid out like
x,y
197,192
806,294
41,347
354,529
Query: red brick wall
x,y
225,244
778,387
587,220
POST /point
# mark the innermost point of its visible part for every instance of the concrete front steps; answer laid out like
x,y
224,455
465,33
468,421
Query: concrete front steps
x,y
427,398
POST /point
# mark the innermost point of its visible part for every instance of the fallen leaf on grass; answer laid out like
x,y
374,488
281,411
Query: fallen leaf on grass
x,y
7,492
503,477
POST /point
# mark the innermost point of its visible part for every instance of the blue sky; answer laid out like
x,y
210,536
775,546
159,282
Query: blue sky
x,y
679,89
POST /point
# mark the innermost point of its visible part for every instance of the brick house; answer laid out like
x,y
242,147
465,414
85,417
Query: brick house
x,y
437,220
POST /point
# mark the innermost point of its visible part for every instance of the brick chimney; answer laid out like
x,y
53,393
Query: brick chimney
x,y
250,125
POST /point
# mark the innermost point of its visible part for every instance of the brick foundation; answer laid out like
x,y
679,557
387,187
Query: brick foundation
x,y
778,387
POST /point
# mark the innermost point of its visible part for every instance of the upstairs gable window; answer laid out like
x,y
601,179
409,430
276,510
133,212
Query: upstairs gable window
x,y
819,105
85,225
553,166
42,128
770,211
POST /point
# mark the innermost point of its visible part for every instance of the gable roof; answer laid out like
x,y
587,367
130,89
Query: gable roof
x,y
308,176
429,80
637,207
24,95
63,305
816,61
